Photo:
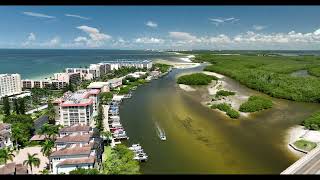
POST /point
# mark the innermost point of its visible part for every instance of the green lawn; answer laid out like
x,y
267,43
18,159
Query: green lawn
x,y
106,153
305,145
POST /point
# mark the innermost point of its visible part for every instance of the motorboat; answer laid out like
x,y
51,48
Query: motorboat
x,y
135,147
141,157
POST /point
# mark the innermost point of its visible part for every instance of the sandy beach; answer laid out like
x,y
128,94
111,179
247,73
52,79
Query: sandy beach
x,y
186,87
235,101
178,65
299,132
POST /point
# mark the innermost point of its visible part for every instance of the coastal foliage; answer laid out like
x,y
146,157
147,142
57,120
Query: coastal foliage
x,y
6,154
6,106
121,161
315,71
105,97
224,93
255,103
305,145
162,67
196,79
51,113
32,161
226,108
46,147
49,131
21,128
270,75
82,171
99,119
313,122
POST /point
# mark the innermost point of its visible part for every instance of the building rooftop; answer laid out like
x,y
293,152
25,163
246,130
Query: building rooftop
x,y
13,168
89,160
78,98
38,137
97,85
6,75
75,138
114,80
76,150
76,128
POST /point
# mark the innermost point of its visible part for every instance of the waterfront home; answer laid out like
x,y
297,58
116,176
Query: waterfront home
x,y
29,84
13,169
115,65
77,108
102,86
137,74
70,78
155,74
5,135
114,83
85,73
77,146
10,84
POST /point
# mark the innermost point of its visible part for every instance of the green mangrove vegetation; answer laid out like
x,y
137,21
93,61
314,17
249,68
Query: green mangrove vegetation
x,y
226,108
196,79
255,103
313,122
305,145
224,93
162,67
269,74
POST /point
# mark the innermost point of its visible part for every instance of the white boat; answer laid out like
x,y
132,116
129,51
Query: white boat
x,y
141,157
135,147
161,133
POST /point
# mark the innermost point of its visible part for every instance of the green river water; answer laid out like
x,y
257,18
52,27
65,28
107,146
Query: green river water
x,y
202,141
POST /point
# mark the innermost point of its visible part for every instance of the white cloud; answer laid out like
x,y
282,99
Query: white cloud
x,y
258,27
151,24
54,41
95,39
38,15
147,40
218,21
183,36
31,37
94,33
77,16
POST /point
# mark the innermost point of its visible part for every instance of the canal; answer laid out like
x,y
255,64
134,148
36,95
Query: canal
x,y
200,140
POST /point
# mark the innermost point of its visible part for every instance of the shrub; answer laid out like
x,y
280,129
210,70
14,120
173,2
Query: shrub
x,y
255,103
313,122
227,108
196,79
224,93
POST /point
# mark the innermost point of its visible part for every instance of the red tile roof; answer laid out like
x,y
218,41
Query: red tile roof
x,y
76,128
85,150
75,138
89,160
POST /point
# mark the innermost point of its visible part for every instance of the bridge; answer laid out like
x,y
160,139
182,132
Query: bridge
x,y
308,164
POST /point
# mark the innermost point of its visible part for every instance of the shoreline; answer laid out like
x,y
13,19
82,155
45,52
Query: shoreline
x,y
298,132
235,100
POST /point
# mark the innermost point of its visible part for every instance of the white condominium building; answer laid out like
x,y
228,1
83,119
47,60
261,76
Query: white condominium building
x,y
10,84
77,108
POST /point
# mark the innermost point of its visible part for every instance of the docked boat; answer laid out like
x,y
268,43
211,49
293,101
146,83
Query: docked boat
x,y
163,137
135,147
141,157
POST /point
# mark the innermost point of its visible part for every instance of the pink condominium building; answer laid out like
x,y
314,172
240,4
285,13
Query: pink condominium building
x,y
77,108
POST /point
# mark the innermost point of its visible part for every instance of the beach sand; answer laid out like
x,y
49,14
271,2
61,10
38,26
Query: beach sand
x,y
177,65
299,132
186,87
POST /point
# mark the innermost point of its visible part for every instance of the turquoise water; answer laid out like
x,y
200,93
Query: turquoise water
x,y
39,63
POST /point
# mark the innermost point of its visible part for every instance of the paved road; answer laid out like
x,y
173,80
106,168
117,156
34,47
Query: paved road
x,y
38,109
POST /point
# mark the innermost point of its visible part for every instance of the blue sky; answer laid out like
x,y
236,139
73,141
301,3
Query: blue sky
x,y
160,27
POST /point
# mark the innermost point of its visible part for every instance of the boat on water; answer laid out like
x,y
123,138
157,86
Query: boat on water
x,y
135,147
141,157
161,133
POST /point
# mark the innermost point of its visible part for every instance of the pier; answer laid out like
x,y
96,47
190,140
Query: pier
x,y
308,164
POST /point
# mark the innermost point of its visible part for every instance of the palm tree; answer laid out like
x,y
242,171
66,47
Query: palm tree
x,y
47,147
106,134
6,154
49,130
32,161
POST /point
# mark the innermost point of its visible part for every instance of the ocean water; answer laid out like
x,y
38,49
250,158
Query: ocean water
x,y
37,64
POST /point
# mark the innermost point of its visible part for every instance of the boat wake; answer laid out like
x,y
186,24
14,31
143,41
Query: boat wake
x,y
160,132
